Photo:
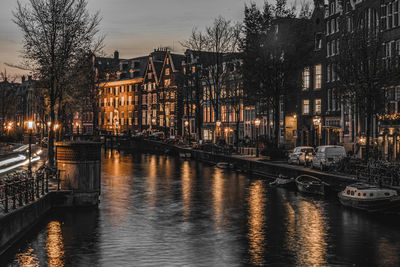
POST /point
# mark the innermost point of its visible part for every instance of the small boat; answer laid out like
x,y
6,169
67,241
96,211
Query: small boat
x,y
283,181
310,184
224,165
370,198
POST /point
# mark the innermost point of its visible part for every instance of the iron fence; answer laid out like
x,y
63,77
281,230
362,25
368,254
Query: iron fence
x,y
21,188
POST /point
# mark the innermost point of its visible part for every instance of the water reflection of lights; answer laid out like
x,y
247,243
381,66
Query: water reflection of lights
x,y
151,182
186,189
55,244
310,231
388,252
27,259
218,193
256,223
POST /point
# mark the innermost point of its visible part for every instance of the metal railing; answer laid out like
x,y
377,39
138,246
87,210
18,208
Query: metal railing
x,y
20,188
377,172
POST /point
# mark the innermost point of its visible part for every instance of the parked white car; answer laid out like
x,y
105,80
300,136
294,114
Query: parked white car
x,y
300,154
327,155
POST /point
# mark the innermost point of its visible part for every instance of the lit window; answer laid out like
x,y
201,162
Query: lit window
x,y
317,106
306,78
167,71
317,76
306,106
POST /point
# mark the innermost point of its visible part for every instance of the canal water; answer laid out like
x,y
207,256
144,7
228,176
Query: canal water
x,y
161,211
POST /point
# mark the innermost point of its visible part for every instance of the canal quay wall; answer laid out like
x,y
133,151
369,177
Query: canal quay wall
x,y
257,168
78,185
15,224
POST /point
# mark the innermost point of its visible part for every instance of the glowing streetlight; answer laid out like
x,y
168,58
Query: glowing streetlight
x,y
317,123
30,125
186,123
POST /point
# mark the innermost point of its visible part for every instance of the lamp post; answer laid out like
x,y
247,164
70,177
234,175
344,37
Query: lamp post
x,y
218,123
257,123
9,127
30,125
317,122
187,130
55,128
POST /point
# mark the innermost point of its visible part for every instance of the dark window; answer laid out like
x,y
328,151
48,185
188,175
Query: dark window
x,y
352,193
371,194
348,192
359,194
387,194
364,194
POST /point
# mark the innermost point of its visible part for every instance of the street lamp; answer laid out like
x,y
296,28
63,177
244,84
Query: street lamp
x,y
218,124
187,130
77,127
30,125
9,127
257,123
317,122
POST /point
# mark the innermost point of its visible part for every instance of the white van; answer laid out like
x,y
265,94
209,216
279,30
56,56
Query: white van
x,y
327,156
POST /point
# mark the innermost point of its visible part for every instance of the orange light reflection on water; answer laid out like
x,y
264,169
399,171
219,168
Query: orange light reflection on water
x,y
186,189
388,252
27,259
55,245
256,222
218,197
307,233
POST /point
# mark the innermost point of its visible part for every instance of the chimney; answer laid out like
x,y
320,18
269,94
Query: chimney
x,y
116,54
29,78
23,78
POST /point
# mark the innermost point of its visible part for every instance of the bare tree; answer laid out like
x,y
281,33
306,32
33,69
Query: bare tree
x,y
233,95
192,78
56,35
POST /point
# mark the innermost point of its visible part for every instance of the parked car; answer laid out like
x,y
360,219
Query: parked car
x,y
300,154
325,156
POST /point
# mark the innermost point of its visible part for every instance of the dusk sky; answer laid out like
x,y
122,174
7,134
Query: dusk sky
x,y
134,27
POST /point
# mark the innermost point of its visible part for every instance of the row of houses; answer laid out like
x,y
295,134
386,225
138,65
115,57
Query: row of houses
x,y
156,92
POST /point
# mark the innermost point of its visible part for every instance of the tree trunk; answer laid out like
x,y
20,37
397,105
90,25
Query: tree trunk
x,y
237,130
276,125
50,151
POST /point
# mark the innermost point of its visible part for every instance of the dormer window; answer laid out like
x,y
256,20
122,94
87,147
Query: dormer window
x,y
149,75
167,71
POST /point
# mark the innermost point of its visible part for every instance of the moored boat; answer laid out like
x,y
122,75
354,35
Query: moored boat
x,y
310,184
283,181
370,198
